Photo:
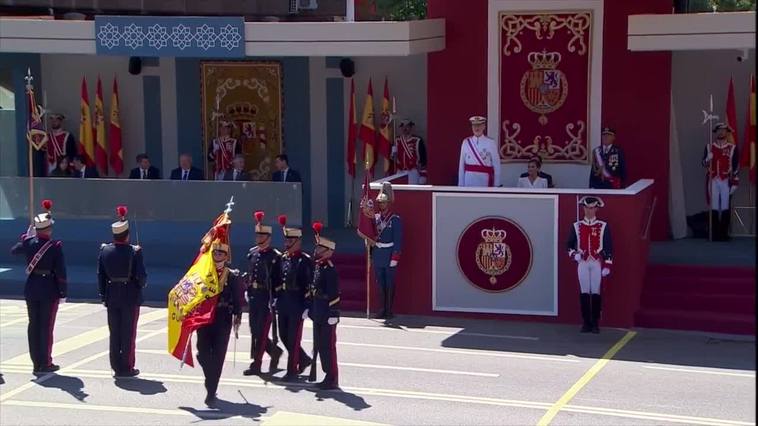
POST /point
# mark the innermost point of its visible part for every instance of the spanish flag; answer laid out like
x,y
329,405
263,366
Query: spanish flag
x,y
367,132
731,114
116,151
101,156
352,130
86,144
385,137
192,302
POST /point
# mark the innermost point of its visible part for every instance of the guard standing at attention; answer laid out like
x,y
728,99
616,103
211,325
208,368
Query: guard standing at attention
x,y
386,250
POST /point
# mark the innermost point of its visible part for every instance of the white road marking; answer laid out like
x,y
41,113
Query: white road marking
x,y
699,371
451,332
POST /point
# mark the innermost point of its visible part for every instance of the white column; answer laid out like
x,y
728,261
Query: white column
x,y
319,164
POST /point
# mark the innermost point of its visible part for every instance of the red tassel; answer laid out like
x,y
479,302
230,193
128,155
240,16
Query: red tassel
x,y
121,212
317,227
259,216
282,219
47,204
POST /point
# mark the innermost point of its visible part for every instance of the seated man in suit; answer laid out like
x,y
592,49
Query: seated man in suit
x,y
185,171
82,171
237,173
284,173
144,170
541,174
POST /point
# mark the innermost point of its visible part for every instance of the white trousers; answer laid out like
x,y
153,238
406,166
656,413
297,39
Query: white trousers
x,y
413,177
719,194
589,275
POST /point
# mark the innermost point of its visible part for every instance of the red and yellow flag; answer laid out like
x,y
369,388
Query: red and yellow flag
x,y
367,132
731,113
366,223
35,129
747,158
385,131
86,143
101,152
352,131
116,150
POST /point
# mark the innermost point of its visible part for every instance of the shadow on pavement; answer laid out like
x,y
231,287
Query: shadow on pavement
x,y
225,409
71,385
143,386
348,399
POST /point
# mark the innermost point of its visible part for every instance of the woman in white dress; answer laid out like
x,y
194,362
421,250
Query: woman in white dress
x,y
532,178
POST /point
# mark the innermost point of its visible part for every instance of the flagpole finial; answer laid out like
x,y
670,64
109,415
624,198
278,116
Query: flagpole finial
x,y
229,205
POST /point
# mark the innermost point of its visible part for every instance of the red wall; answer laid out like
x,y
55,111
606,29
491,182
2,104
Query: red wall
x,y
636,91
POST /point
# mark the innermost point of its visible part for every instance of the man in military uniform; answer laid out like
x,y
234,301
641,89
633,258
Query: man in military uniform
x,y
479,163
263,274
60,142
721,161
296,274
223,149
45,286
121,277
323,308
409,152
213,339
608,165
387,249
589,245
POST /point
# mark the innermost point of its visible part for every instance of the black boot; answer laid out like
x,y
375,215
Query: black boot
x,y
254,370
584,301
390,300
383,299
275,353
714,226
596,308
726,220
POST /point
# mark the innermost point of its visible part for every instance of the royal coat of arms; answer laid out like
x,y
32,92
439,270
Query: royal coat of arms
x,y
544,88
493,256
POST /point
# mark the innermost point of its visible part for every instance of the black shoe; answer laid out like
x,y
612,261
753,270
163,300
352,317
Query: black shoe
x,y
304,364
291,378
133,373
381,315
273,366
254,370
586,328
324,385
49,369
595,329
211,400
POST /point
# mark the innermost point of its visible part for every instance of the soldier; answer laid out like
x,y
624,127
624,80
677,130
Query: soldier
x,y
479,164
323,307
387,249
721,161
45,286
60,143
213,339
263,274
409,152
608,165
296,273
121,277
589,244
223,149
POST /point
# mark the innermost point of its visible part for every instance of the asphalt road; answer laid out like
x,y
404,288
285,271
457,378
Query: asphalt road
x,y
420,371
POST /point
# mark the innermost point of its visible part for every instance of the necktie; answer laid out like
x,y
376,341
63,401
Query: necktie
x,y
184,174
284,176
235,175
144,174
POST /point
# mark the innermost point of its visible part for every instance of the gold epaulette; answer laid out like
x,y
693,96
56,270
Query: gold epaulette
x,y
334,302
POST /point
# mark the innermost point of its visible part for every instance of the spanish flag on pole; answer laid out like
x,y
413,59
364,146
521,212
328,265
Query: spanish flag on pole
x,y
192,302
385,137
86,143
352,131
731,114
116,151
101,153
367,133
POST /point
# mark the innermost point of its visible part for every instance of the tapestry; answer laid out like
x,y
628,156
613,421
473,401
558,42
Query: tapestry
x,y
545,66
249,94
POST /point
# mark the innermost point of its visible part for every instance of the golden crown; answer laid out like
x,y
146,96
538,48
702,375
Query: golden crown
x,y
493,235
241,110
544,59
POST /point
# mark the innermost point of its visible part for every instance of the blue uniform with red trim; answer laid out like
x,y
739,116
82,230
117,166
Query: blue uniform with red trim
x,y
324,303
296,274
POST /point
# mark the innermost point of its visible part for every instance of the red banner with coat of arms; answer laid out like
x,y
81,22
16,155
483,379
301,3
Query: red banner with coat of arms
x,y
545,85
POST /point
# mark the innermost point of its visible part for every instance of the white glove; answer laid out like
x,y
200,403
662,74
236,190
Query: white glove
x,y
578,256
305,314
393,263
732,189
709,157
62,300
333,320
605,272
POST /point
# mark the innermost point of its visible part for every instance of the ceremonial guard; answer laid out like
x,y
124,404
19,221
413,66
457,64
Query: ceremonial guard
x,y
296,274
722,171
121,277
608,165
479,164
223,149
323,306
60,142
409,152
387,249
45,286
262,275
589,244
213,339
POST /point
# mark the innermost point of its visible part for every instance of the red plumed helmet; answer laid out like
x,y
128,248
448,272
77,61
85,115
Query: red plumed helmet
x,y
47,204
282,219
259,216
121,212
317,227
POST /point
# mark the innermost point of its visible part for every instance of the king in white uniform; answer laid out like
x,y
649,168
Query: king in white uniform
x,y
480,161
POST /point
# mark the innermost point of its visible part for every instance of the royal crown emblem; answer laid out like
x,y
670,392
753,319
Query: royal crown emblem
x,y
544,88
493,256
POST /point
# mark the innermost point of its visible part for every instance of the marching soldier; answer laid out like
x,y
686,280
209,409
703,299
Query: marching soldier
x,y
213,339
263,274
45,286
721,161
479,164
296,274
323,307
223,149
60,143
386,251
589,244
608,165
121,277
409,152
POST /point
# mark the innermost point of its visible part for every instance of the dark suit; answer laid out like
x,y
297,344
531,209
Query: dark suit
x,y
89,173
295,274
323,303
194,174
241,176
547,177
292,176
152,173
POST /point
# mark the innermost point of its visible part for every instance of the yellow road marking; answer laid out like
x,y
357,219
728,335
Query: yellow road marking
x,y
553,411
64,308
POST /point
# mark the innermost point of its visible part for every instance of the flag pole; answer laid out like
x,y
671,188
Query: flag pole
x,y
29,88
708,117
368,278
